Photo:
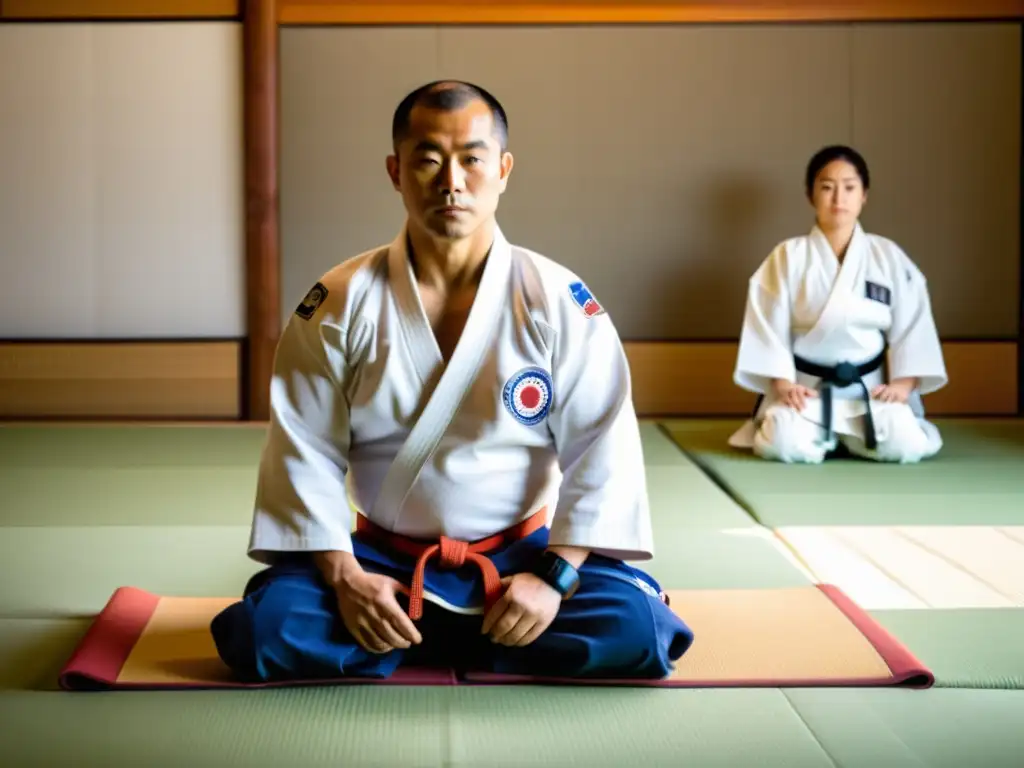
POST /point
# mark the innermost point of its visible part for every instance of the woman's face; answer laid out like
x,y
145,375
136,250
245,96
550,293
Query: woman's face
x,y
838,195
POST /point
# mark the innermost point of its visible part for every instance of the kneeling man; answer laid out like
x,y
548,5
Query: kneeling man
x,y
473,399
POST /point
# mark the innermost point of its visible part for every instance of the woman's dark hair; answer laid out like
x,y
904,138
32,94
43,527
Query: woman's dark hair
x,y
836,152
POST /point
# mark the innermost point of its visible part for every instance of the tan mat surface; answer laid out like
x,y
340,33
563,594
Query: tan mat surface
x,y
812,635
908,567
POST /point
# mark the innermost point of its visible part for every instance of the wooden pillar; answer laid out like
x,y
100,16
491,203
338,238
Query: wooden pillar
x,y
262,243
1020,246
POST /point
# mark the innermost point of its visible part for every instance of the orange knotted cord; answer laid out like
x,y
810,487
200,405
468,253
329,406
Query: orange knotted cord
x,y
453,553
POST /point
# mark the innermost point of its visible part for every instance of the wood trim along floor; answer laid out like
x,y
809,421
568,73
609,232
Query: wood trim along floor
x,y
138,380
87,10
679,379
624,12
183,380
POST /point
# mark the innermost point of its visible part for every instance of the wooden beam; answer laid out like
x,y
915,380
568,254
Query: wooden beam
x,y
84,10
109,379
648,12
693,378
261,203
1020,254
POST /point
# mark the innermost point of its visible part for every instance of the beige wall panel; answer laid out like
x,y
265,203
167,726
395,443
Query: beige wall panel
x,y
168,109
664,163
48,228
339,88
122,215
669,156
673,163
937,115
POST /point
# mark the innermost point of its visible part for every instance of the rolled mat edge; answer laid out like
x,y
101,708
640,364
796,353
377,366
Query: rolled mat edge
x,y
103,650
907,670
98,659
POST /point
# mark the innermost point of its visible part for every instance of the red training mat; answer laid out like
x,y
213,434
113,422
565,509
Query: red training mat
x,y
810,636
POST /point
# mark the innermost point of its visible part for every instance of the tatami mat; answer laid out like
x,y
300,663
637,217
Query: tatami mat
x,y
976,480
433,727
517,727
211,561
167,475
33,651
167,508
86,474
72,571
900,729
964,648
88,509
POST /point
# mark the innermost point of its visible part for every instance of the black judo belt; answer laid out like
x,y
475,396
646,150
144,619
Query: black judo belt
x,y
842,376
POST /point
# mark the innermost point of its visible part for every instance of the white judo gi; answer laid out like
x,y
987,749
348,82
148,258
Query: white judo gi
x,y
546,414
804,308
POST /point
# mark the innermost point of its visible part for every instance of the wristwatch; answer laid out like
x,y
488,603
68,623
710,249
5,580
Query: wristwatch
x,y
558,572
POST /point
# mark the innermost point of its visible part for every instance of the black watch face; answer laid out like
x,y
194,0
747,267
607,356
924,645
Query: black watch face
x,y
560,574
553,569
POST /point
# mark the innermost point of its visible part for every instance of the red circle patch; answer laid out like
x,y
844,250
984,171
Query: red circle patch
x,y
529,396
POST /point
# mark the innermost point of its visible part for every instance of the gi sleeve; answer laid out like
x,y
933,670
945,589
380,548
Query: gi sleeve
x,y
602,502
765,348
301,502
914,346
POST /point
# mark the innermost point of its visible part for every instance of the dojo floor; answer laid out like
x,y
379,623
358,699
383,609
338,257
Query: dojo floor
x,y
935,552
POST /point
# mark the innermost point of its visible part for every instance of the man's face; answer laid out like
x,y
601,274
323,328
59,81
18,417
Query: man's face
x,y
450,170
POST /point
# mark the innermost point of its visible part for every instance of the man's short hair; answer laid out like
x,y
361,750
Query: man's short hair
x,y
448,95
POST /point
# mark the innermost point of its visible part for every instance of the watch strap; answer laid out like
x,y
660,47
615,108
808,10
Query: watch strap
x,y
557,572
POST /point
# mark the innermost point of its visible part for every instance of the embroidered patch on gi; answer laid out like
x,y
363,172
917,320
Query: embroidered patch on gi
x,y
585,300
312,302
527,396
879,293
647,587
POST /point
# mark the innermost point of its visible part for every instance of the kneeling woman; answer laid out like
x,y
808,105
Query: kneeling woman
x,y
838,337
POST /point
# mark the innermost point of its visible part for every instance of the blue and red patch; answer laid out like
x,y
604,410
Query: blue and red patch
x,y
527,395
585,300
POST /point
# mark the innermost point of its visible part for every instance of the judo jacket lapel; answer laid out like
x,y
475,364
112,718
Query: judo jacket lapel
x,y
457,377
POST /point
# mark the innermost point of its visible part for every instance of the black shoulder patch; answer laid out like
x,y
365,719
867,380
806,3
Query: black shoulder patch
x,y
312,302
878,293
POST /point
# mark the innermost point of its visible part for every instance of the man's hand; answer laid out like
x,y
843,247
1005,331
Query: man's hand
x,y
791,394
369,605
529,604
898,391
527,608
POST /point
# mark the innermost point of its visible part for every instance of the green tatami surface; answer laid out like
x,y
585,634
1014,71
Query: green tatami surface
x,y
203,475
964,648
127,475
682,497
975,480
939,728
72,571
85,510
376,726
